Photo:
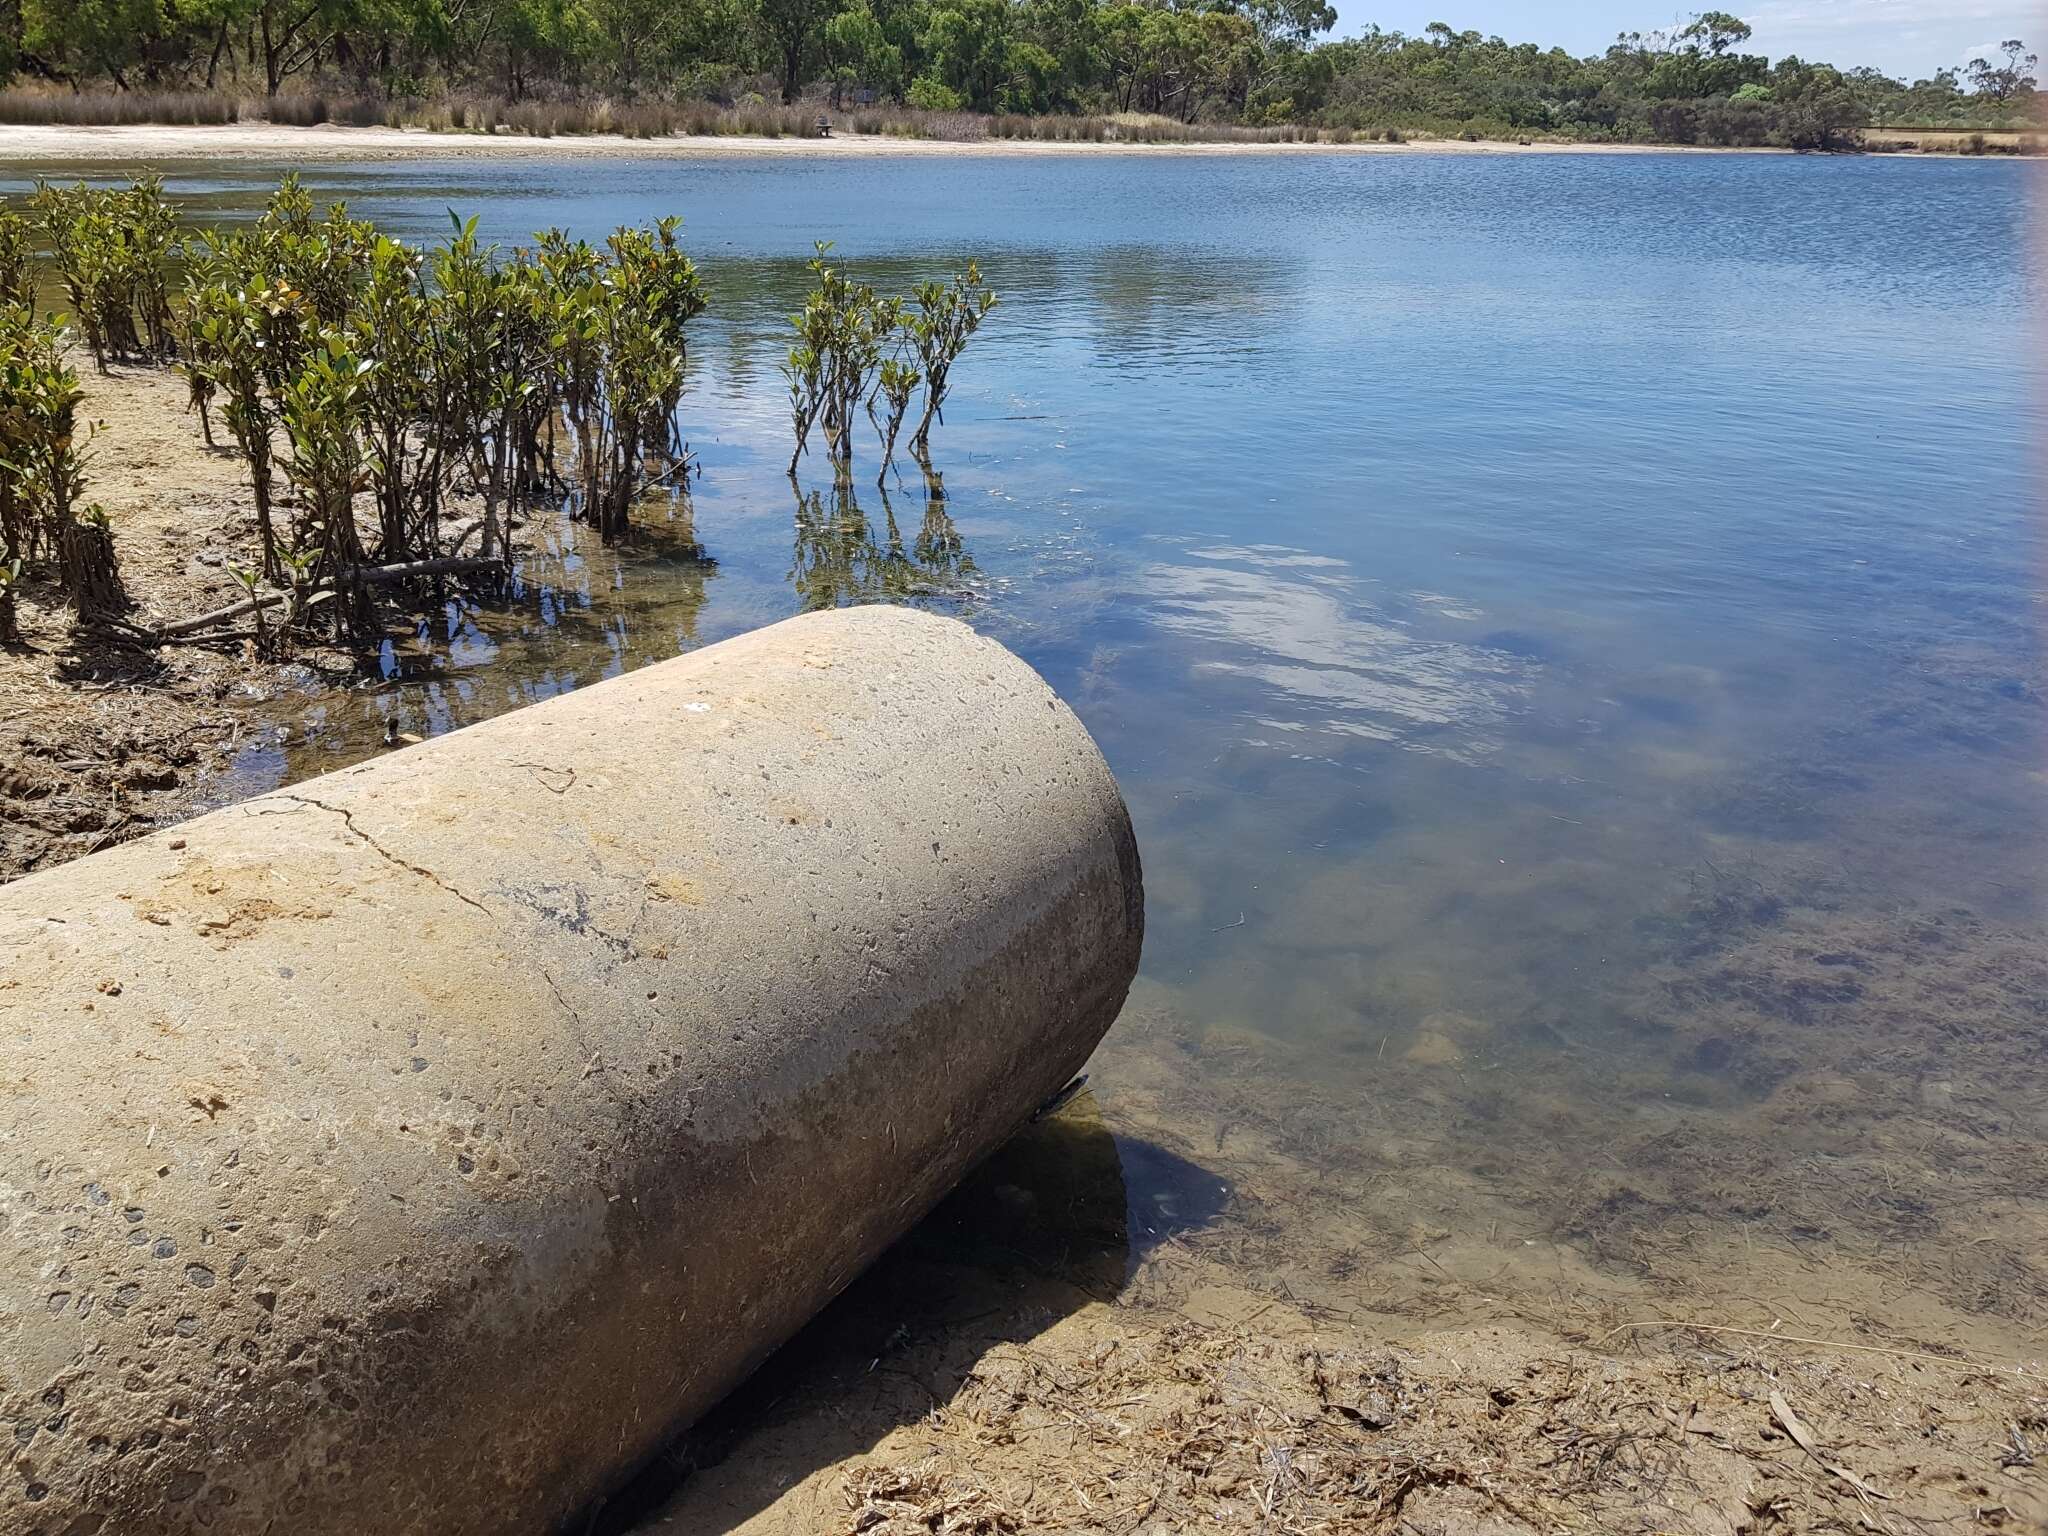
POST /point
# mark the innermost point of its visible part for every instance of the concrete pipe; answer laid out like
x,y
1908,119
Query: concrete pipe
x,y
414,1149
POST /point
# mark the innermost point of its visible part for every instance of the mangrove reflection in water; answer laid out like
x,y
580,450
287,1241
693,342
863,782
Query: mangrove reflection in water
x,y
1567,629
842,558
574,611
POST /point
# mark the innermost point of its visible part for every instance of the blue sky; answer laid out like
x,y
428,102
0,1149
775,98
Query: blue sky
x,y
1910,37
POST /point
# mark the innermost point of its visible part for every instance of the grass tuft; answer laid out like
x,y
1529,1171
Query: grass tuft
x,y
102,109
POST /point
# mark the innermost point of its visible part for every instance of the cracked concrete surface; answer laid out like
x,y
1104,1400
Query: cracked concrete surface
x,y
414,1150
348,820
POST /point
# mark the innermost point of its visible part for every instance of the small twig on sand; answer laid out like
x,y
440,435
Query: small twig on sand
x,y
1228,926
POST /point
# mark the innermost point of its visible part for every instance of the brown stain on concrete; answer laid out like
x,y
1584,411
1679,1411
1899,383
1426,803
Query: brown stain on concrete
x,y
243,918
664,886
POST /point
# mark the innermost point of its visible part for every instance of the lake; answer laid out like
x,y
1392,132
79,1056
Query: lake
x,y
1568,627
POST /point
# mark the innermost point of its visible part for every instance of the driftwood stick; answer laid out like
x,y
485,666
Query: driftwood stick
x,y
247,605
441,565
373,576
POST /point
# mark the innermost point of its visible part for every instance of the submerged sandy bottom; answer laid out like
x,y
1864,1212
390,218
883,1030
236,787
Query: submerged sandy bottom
x,y
1371,1316
1423,1275
1441,1302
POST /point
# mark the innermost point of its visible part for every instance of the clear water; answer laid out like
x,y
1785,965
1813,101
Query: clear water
x,y
1567,627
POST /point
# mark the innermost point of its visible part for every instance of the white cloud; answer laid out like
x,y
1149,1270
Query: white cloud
x,y
1824,15
1900,36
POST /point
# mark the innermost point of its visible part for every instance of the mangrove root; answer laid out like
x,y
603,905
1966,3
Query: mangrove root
x,y
370,576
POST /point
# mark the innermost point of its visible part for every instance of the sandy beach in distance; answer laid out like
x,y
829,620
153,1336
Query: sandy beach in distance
x,y
329,142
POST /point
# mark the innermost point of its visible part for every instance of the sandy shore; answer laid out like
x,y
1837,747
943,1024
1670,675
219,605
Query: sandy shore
x,y
272,141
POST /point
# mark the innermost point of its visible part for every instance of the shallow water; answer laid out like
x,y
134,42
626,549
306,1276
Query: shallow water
x,y
1568,630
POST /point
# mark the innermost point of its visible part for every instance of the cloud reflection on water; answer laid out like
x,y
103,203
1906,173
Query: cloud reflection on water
x,y
1314,640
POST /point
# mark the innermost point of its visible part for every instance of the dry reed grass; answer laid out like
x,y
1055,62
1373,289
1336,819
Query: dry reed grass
x,y
547,119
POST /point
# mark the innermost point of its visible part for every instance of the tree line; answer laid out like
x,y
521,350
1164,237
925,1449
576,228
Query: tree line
x,y
1247,62
1693,84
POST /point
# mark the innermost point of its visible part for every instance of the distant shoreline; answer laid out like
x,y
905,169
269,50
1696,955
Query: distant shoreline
x,y
136,143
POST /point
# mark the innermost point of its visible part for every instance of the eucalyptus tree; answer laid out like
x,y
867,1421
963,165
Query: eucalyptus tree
x,y
2003,83
793,30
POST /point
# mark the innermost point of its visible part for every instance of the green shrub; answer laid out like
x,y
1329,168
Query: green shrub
x,y
43,458
854,347
928,94
17,261
112,249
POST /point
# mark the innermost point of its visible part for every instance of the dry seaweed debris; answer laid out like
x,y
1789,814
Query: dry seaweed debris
x,y
923,1501
1139,1425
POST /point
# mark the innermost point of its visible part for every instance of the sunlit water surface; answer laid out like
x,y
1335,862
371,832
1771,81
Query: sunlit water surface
x,y
1567,628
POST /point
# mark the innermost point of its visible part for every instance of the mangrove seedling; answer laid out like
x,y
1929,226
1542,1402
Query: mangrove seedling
x,y
112,250
149,232
322,412
17,261
43,458
89,568
854,347
607,335
236,338
842,332
376,376
948,315
251,583
406,417
894,387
